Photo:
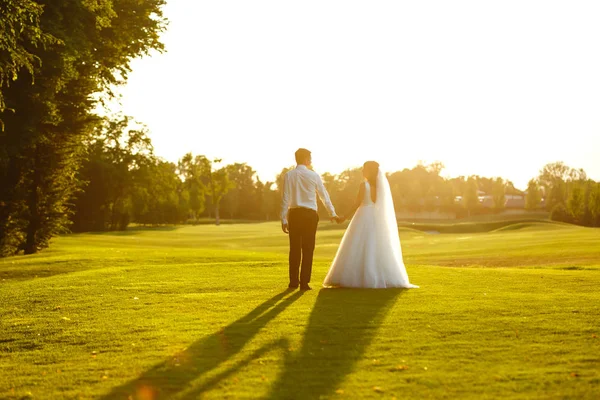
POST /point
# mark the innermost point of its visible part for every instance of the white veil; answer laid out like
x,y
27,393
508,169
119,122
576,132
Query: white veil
x,y
370,254
389,250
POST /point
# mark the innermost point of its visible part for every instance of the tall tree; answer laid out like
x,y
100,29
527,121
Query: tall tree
x,y
498,194
556,178
218,185
470,196
270,203
447,197
155,198
191,170
111,175
533,198
242,201
594,205
576,204
44,137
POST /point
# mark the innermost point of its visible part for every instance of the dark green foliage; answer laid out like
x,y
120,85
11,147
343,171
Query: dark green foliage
x,y
594,205
470,196
576,204
571,196
117,162
244,200
20,34
347,184
556,179
157,195
86,47
125,182
561,214
499,191
217,183
190,170
533,197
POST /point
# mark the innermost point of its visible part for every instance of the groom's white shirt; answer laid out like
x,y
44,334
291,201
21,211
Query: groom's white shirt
x,y
300,189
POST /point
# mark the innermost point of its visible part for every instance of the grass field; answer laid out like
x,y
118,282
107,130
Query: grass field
x,y
202,312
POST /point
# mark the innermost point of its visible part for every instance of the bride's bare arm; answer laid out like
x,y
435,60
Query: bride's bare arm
x,y
357,203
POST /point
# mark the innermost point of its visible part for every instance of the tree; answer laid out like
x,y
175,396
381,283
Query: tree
x,y
218,184
557,195
191,169
116,157
243,200
412,196
155,198
554,172
576,204
430,201
270,203
470,196
594,205
447,197
498,194
533,198
555,178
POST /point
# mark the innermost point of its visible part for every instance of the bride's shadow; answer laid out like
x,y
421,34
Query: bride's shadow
x,y
174,376
340,328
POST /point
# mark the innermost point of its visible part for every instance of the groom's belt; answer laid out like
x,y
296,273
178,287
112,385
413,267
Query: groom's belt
x,y
302,208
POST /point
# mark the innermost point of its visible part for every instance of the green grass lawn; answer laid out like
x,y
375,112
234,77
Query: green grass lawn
x,y
202,312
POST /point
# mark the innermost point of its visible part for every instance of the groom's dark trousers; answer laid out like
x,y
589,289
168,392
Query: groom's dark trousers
x,y
302,225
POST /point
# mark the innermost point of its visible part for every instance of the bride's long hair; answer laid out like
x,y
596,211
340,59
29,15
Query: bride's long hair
x,y
371,171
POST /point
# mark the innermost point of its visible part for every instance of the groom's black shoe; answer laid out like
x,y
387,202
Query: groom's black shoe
x,y
305,287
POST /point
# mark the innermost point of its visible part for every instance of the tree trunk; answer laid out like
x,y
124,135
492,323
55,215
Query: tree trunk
x,y
217,218
33,225
113,216
6,207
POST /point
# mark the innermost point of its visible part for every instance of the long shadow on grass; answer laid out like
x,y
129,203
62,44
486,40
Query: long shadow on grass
x,y
175,375
340,328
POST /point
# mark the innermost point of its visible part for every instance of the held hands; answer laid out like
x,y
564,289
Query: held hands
x,y
338,219
285,228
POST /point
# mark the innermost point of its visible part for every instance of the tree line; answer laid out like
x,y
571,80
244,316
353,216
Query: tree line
x,y
569,194
126,183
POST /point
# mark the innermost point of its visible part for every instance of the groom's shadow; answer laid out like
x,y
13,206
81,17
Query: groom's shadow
x,y
174,375
340,328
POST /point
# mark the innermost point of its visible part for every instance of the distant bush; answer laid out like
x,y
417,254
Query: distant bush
x,y
561,214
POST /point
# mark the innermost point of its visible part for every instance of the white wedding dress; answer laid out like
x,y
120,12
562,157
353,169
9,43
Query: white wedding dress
x,y
370,255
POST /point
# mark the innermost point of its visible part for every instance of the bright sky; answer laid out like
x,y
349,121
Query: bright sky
x,y
495,88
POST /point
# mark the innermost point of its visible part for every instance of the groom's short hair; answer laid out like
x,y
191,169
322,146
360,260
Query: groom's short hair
x,y
302,155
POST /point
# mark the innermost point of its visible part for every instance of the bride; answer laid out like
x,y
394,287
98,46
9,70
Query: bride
x,y
370,255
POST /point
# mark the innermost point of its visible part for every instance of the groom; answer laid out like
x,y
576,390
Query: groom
x,y
299,216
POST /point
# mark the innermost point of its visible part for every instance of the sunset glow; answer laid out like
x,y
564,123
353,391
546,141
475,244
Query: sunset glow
x,y
494,89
